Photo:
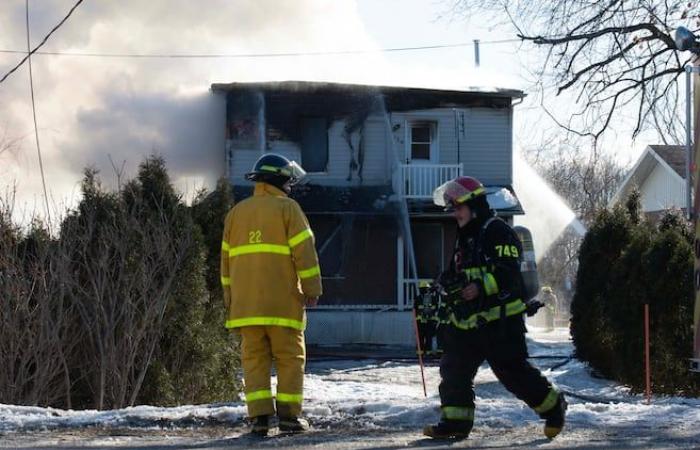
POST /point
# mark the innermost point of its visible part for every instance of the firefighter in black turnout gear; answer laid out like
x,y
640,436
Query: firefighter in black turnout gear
x,y
426,306
486,317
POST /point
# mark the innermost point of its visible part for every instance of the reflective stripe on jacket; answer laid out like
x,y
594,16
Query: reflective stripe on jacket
x,y
488,251
268,261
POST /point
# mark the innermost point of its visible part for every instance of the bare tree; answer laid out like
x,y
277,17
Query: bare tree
x,y
86,314
124,263
587,181
613,56
38,339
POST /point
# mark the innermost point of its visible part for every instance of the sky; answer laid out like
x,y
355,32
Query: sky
x,y
112,112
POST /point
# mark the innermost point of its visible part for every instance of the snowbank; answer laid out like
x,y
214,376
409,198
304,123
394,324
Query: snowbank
x,y
371,395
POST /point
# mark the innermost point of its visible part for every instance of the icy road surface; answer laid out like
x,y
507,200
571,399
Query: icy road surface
x,y
380,404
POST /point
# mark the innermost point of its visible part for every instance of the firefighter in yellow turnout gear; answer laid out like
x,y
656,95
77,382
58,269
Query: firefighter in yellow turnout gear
x,y
269,272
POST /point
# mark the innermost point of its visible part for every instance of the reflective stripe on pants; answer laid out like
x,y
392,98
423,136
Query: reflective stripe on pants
x,y
549,402
262,320
458,413
259,346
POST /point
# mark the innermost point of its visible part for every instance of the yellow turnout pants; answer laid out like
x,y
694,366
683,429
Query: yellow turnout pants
x,y
260,345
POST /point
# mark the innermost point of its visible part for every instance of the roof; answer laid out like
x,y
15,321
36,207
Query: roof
x,y
673,155
317,86
669,157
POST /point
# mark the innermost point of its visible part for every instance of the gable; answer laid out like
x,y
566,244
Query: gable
x,y
652,163
661,190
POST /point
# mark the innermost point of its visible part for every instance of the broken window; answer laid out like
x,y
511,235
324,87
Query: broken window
x,y
314,144
243,121
422,139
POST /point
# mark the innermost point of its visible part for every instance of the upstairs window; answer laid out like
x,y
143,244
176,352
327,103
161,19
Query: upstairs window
x,y
314,144
422,140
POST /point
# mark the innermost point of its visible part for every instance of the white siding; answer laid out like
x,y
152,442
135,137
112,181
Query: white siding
x,y
485,147
489,145
446,139
375,170
485,140
240,162
377,167
662,190
289,150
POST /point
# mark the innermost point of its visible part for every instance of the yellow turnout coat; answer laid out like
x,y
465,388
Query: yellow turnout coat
x,y
268,261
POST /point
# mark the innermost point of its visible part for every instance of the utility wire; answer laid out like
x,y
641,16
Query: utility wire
x,y
46,38
36,129
262,55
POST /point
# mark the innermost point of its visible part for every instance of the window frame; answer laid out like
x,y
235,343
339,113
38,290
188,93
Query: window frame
x,y
434,146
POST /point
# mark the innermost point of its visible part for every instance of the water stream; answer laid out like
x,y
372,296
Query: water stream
x,y
546,213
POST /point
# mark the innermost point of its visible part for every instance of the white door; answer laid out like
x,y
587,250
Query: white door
x,y
421,153
421,142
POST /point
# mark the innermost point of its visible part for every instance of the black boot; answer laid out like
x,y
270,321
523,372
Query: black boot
x,y
449,429
260,425
293,425
554,418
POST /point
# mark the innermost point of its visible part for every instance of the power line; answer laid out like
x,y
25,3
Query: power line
x,y
36,129
46,38
262,55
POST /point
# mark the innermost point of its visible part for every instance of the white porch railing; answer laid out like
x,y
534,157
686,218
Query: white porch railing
x,y
418,181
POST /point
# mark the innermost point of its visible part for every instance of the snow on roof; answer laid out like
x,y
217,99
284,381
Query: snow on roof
x,y
306,86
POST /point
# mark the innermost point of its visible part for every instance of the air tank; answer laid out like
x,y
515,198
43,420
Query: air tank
x,y
528,264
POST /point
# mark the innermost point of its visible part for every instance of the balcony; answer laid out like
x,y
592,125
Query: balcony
x,y
418,181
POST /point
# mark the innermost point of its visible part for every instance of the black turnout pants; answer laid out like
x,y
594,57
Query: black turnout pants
x,y
503,346
426,332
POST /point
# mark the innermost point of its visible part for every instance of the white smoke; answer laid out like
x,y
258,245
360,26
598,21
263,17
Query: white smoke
x,y
92,109
100,111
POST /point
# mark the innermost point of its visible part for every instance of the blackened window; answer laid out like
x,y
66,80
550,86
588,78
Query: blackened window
x,y
314,144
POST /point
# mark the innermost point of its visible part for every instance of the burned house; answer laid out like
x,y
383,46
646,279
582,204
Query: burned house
x,y
374,155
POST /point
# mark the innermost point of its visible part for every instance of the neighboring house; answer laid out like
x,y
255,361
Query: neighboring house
x,y
374,155
659,175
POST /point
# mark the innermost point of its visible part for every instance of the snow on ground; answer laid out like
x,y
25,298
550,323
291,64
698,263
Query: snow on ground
x,y
371,396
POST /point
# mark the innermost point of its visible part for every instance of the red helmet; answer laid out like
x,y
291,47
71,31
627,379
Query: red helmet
x,y
458,191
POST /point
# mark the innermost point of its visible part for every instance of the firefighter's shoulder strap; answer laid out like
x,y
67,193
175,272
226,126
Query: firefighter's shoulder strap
x,y
481,256
479,244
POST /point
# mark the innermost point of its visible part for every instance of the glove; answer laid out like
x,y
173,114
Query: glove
x,y
532,306
451,285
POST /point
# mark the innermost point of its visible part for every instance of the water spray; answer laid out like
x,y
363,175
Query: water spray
x,y
547,215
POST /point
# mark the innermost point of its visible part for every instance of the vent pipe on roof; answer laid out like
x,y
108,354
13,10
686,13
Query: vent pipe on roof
x,y
476,53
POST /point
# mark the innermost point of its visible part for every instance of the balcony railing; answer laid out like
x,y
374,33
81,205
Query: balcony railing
x,y
418,181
